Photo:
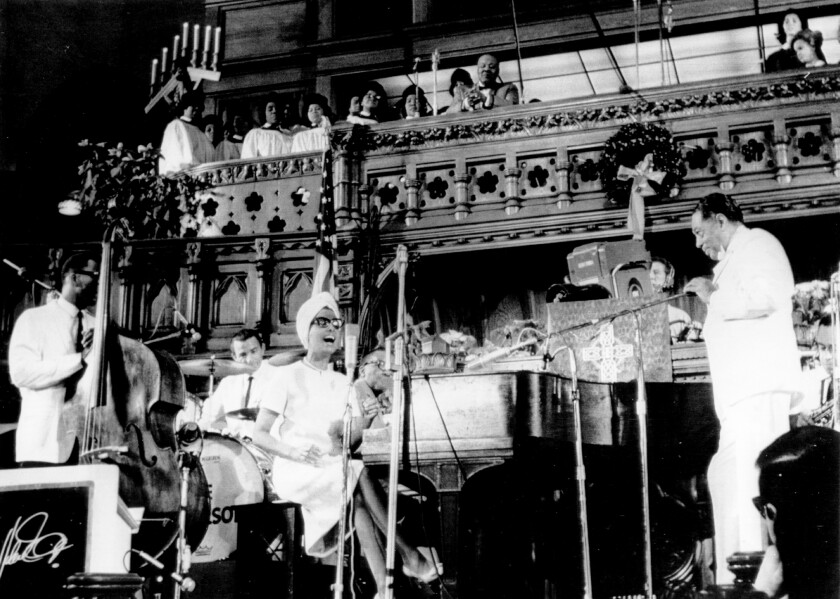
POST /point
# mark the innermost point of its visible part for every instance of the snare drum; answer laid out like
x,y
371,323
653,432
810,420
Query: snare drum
x,y
239,474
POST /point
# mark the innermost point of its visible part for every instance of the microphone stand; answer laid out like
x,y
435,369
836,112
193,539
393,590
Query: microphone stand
x,y
401,262
580,470
641,412
338,587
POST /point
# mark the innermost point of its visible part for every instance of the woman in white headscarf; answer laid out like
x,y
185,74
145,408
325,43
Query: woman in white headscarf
x,y
300,423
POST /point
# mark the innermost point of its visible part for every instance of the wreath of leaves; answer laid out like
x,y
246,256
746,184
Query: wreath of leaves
x,y
628,147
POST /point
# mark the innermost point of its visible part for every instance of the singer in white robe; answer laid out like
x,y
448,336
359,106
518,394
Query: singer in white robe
x,y
184,145
301,426
266,142
753,360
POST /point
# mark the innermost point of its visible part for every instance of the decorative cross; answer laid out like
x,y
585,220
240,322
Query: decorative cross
x,y
607,353
642,175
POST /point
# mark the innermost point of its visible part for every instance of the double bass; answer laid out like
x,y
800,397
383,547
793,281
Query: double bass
x,y
123,412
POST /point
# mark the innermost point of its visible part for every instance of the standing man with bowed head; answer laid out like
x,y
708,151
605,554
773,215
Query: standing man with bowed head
x,y
753,359
489,92
47,354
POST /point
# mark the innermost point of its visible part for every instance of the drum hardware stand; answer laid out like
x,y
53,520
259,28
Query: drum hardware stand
x,y
641,412
580,471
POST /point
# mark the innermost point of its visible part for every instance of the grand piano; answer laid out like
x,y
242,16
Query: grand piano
x,y
492,455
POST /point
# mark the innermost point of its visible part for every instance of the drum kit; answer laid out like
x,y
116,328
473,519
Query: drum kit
x,y
238,472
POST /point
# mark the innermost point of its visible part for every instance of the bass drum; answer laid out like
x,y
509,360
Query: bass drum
x,y
238,473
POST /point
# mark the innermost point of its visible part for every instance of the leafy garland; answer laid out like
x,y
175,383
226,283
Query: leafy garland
x,y
628,147
122,187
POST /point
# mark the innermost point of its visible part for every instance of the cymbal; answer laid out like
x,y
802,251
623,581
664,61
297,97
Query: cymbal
x,y
243,414
285,357
217,368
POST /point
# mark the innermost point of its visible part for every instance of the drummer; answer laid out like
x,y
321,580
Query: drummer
x,y
239,391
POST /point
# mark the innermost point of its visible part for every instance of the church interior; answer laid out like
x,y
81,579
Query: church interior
x,y
480,239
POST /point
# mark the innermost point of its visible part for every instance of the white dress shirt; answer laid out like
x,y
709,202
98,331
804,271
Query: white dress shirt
x,y
42,355
229,396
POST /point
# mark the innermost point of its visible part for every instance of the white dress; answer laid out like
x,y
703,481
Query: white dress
x,y
754,364
311,140
309,402
265,142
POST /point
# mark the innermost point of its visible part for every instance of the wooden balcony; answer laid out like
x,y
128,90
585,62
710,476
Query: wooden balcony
x,y
520,180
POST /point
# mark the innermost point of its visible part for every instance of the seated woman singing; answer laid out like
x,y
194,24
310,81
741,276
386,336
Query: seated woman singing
x,y
301,426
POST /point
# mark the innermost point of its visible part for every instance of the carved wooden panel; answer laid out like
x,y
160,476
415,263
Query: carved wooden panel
x,y
538,178
229,301
438,189
388,191
698,152
266,30
753,149
295,288
585,177
487,182
810,145
159,305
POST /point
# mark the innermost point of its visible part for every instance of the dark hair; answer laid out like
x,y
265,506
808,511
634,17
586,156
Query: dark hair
x,y
217,123
318,99
382,112
781,35
422,105
78,262
799,476
245,334
191,98
813,39
670,271
459,75
718,203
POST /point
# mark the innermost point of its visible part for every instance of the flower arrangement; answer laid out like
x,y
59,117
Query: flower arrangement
x,y
123,188
629,147
810,304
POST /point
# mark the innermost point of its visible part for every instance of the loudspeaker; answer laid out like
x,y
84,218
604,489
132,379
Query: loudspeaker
x,y
619,266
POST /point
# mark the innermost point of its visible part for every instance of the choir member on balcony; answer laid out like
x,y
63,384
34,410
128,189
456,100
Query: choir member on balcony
x,y
808,47
413,104
301,425
314,137
460,84
213,129
489,92
785,58
271,139
228,149
185,145
374,106
753,361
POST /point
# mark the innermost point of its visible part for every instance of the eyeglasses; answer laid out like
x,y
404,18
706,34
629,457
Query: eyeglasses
x,y
761,505
91,273
377,363
323,322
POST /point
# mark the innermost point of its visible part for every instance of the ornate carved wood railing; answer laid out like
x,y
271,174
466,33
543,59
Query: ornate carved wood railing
x,y
509,178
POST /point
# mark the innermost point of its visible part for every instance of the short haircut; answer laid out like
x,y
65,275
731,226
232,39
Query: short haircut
x,y
799,476
376,354
77,263
246,334
718,203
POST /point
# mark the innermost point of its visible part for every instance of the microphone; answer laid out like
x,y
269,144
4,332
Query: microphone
x,y
351,348
185,582
498,353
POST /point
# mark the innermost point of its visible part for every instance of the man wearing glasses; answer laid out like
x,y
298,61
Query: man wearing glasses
x,y
47,353
373,388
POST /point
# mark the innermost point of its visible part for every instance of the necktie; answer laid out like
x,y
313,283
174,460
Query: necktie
x,y
79,331
248,392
